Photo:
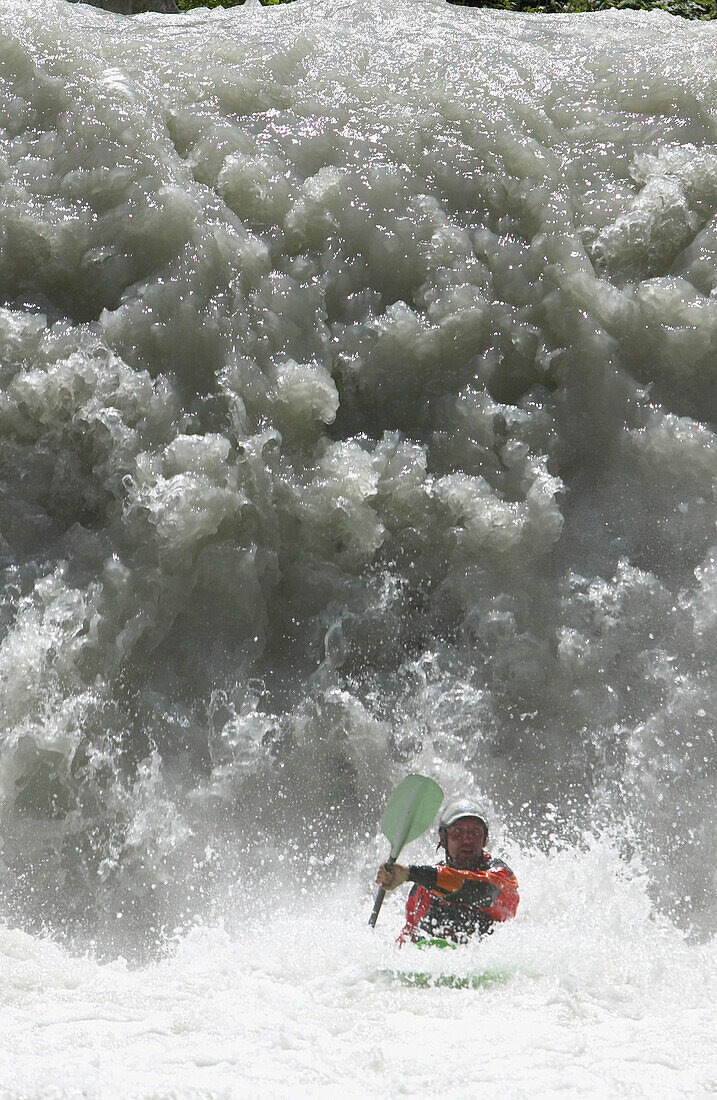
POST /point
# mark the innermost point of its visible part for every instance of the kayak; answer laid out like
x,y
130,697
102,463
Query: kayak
x,y
423,980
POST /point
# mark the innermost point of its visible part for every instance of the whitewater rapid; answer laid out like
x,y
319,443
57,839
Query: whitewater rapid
x,y
357,417
587,995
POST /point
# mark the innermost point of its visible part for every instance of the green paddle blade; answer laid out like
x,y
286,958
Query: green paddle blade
x,y
410,811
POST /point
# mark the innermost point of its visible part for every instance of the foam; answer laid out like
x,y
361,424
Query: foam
x,y
357,372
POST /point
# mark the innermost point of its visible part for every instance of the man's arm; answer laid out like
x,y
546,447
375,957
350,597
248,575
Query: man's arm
x,y
469,887
495,890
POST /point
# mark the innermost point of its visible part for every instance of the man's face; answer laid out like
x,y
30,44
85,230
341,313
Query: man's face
x,y
464,842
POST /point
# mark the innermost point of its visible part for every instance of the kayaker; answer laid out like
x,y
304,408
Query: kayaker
x,y
466,893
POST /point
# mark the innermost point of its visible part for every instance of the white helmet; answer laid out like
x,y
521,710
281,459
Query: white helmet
x,y
455,810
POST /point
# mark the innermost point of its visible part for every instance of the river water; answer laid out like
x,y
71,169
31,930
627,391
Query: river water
x,y
357,417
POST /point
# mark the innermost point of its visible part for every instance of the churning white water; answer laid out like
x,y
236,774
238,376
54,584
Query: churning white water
x,y
586,995
357,416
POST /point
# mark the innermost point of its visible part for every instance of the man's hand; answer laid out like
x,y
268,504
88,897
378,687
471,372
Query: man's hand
x,y
391,879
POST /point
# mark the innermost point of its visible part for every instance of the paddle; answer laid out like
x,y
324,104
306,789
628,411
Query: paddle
x,y
409,812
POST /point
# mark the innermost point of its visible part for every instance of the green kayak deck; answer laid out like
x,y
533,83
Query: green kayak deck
x,y
423,980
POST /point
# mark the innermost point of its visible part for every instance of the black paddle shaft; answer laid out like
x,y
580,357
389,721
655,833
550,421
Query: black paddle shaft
x,y
380,895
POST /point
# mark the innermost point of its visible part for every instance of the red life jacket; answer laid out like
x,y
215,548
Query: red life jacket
x,y
454,904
